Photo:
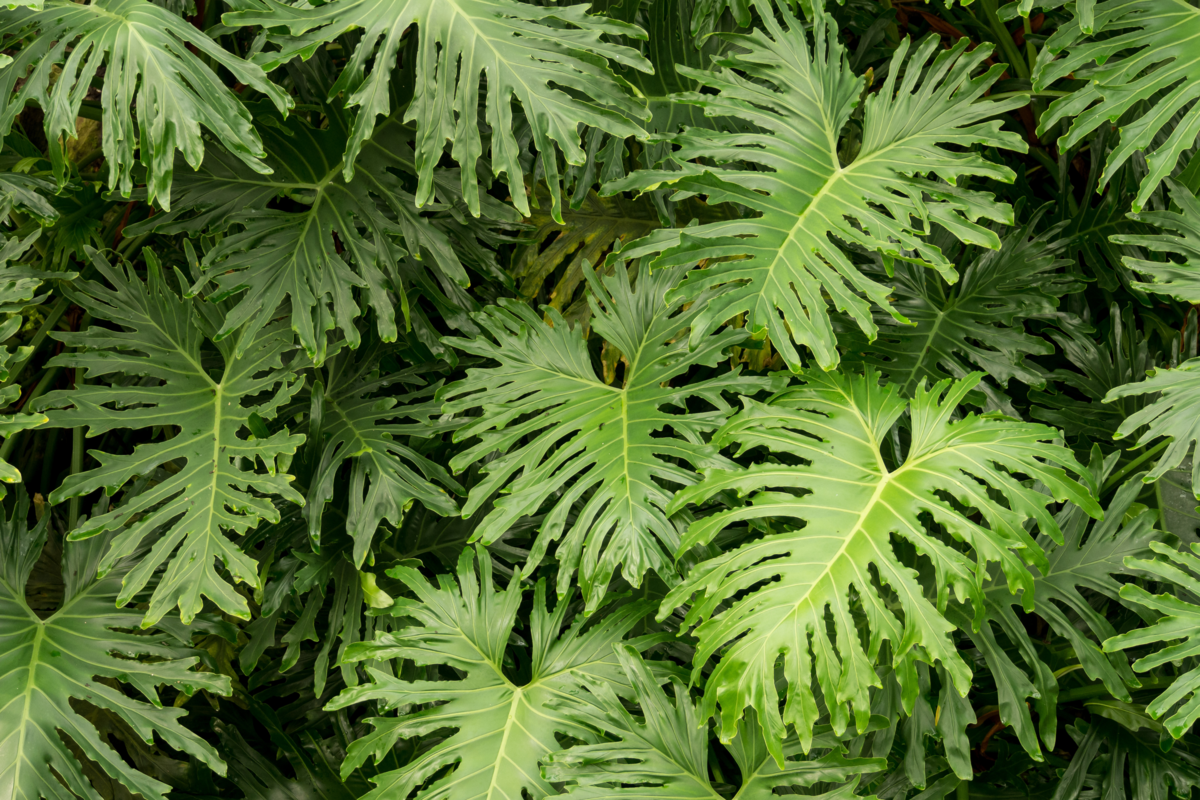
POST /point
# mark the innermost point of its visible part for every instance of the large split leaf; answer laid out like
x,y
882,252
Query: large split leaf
x,y
77,655
161,377
835,513
1179,624
551,59
778,263
664,750
152,60
363,427
1174,413
1180,237
1149,67
333,240
501,728
605,445
1066,594
977,323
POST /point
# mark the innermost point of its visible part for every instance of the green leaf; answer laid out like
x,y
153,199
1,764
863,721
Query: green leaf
x,y
664,750
1110,757
977,323
77,655
834,549
550,59
501,728
1066,593
1150,70
1174,413
153,60
336,240
776,264
1180,280
162,378
1179,623
589,441
361,426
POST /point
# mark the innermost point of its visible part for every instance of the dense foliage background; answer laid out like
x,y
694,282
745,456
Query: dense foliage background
x,y
481,399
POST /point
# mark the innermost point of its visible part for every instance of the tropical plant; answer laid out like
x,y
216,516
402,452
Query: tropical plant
x,y
605,399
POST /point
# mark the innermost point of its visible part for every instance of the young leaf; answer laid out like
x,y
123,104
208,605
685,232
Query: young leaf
x,y
156,348
501,729
152,59
78,654
832,550
589,440
550,59
778,264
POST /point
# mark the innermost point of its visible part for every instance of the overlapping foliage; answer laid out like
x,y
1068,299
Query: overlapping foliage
x,y
608,399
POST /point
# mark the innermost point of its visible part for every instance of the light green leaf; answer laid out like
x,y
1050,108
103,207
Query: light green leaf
x,y
75,655
1175,413
1178,279
162,378
778,264
589,441
148,63
501,728
831,550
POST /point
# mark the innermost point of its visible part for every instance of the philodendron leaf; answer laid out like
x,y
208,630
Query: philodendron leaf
x,y
82,653
153,60
1179,624
780,263
1149,68
663,751
160,377
1175,413
829,552
1180,237
619,449
496,730
553,60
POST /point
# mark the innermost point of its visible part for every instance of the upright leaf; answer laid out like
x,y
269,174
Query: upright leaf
x,y
603,445
160,376
778,264
82,653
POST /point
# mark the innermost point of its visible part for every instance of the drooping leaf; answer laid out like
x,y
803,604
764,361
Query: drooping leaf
x,y
1150,68
77,655
152,59
550,59
501,728
833,550
161,377
777,264
591,442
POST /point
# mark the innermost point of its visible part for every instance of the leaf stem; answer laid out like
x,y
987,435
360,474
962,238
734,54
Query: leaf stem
x,y
1120,474
1016,62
